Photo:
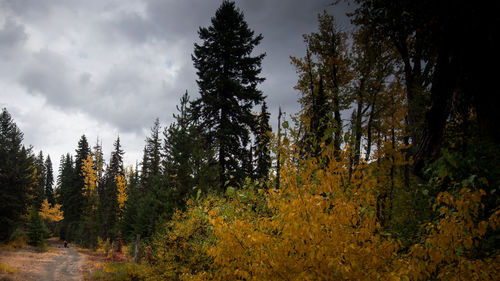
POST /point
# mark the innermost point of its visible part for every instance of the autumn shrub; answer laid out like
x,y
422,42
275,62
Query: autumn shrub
x,y
461,241
181,246
103,247
451,248
117,272
18,239
321,226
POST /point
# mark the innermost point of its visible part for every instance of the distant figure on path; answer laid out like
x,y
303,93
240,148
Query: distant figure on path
x,y
65,244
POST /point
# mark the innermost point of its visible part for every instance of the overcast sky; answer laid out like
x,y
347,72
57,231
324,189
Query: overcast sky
x,y
108,67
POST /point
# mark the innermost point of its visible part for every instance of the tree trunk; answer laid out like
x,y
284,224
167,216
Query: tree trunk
x,y
278,157
444,84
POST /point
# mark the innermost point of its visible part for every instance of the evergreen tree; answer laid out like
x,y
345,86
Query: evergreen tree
x,y
262,144
152,155
16,170
188,163
98,159
109,197
228,78
73,193
130,213
65,181
49,181
178,147
38,190
37,231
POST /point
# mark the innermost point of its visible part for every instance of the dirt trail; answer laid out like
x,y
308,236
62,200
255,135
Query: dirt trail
x,y
57,264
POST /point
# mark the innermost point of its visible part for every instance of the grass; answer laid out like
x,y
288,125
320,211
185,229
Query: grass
x,y
115,271
111,266
17,243
4,268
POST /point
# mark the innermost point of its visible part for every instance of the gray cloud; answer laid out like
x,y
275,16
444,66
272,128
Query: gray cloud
x,y
47,74
116,65
12,34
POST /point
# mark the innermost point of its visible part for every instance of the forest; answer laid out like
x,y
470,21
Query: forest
x,y
389,171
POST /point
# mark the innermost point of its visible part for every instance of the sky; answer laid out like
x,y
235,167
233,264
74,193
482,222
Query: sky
x,y
108,68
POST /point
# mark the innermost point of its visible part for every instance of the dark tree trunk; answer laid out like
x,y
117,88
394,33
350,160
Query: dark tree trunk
x,y
278,157
444,85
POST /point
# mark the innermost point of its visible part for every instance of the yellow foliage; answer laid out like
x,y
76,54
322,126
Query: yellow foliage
x,y
321,227
446,252
5,268
121,186
103,247
181,250
51,214
90,177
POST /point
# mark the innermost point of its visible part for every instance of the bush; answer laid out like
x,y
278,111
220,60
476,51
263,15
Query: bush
x,y
103,246
18,239
37,231
119,272
181,246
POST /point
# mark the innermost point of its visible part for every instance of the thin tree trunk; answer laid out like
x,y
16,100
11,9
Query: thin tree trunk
x,y
369,129
278,158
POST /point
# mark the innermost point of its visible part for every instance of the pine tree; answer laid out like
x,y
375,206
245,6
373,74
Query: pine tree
x,y
73,191
49,181
228,78
178,147
109,198
38,190
98,159
187,161
65,180
134,194
262,144
152,155
16,170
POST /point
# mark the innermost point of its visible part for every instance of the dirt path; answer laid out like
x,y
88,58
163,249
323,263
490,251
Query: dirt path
x,y
56,264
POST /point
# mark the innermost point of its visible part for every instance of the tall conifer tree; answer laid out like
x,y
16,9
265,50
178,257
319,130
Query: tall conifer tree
x,y
152,155
228,78
38,190
262,144
15,175
65,181
73,213
109,199
49,181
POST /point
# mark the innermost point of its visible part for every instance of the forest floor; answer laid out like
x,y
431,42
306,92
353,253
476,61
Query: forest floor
x,y
57,263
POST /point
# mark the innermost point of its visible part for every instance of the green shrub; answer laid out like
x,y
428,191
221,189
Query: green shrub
x,y
18,239
37,231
